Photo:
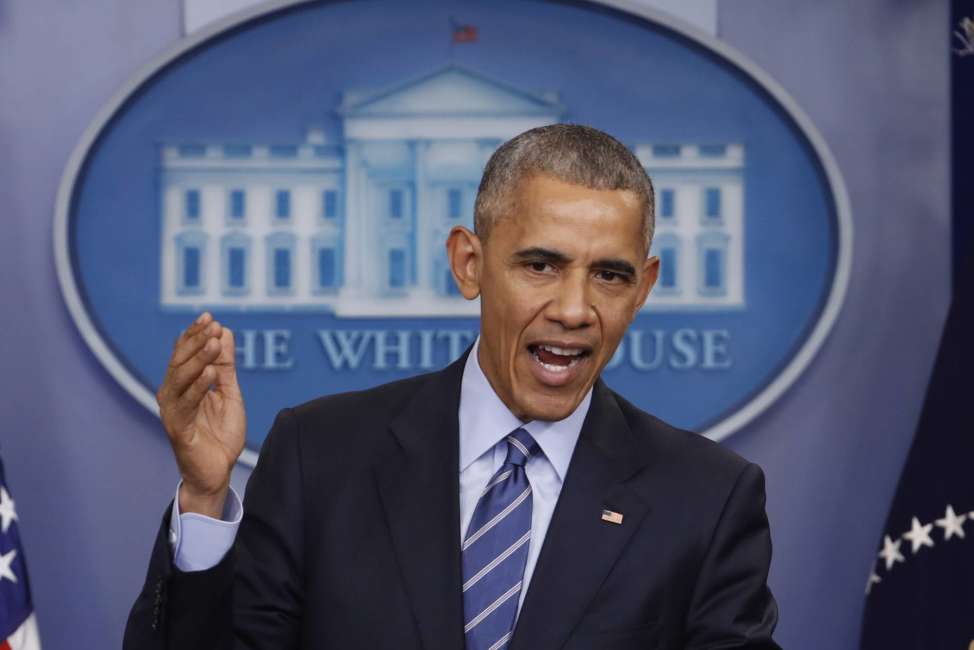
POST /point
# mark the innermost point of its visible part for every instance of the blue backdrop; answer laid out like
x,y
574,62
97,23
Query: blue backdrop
x,y
642,84
91,471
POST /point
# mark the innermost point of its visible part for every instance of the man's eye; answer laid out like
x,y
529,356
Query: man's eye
x,y
539,267
612,276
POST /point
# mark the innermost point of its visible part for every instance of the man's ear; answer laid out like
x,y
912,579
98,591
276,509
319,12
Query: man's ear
x,y
647,282
466,254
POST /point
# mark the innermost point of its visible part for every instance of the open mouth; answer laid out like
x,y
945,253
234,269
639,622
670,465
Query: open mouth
x,y
558,359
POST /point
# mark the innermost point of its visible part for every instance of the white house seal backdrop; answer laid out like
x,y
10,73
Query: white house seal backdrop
x,y
295,170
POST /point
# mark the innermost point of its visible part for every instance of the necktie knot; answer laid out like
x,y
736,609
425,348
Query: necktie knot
x,y
520,447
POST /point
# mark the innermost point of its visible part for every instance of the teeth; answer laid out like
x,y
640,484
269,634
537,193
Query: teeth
x,y
564,352
552,367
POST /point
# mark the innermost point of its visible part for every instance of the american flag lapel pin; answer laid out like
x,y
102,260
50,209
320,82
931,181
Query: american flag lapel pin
x,y
612,517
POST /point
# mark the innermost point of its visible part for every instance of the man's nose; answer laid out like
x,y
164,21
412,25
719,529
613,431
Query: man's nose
x,y
572,305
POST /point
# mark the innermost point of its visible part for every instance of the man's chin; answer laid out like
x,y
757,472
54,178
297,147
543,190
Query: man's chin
x,y
550,408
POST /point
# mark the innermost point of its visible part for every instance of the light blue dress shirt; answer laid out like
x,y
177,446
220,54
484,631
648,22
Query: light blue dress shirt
x,y
200,542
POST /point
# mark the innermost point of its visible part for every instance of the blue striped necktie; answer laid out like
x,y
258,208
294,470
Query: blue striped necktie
x,y
496,548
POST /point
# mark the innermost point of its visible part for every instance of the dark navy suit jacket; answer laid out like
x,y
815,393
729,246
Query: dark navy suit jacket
x,y
349,539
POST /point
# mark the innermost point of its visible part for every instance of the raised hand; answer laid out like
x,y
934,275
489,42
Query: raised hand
x,y
203,413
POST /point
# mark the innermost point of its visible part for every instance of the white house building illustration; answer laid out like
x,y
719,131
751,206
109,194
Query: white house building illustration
x,y
358,226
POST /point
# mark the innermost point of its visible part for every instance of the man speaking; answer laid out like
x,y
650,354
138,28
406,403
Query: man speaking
x,y
511,500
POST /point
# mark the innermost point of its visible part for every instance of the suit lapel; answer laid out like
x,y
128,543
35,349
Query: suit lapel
x,y
419,486
580,548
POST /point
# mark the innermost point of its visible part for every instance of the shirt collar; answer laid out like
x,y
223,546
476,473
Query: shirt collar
x,y
485,420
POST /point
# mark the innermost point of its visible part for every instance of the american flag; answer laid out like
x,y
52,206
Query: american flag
x,y
18,626
921,583
463,33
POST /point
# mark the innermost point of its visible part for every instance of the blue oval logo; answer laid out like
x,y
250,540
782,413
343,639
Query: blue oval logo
x,y
296,172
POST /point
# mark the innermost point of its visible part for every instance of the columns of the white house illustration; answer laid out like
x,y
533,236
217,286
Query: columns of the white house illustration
x,y
167,263
363,232
732,192
425,214
356,209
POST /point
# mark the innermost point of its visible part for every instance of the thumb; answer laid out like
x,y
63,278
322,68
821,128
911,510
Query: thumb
x,y
226,363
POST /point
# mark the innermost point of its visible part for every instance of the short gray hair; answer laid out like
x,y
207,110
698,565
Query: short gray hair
x,y
573,153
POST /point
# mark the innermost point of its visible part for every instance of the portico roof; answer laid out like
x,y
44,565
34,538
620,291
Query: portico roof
x,y
452,101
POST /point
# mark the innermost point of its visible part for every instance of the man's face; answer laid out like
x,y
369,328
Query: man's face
x,y
560,279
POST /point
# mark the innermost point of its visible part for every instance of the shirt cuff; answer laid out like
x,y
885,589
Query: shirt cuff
x,y
199,542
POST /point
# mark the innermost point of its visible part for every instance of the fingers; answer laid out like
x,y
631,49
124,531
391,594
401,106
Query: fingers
x,y
182,377
194,338
198,388
201,321
196,348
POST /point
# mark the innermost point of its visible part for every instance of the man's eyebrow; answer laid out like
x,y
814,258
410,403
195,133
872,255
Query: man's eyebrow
x,y
619,266
536,253
539,254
